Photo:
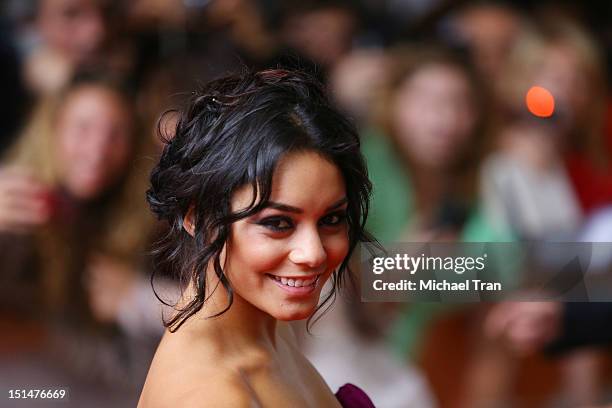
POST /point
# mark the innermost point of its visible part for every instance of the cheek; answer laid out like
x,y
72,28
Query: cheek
x,y
413,126
337,249
254,253
68,144
262,258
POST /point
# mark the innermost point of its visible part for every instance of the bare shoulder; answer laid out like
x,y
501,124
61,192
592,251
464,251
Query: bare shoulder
x,y
217,391
195,379
224,392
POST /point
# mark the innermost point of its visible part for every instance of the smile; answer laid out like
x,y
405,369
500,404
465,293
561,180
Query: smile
x,y
296,285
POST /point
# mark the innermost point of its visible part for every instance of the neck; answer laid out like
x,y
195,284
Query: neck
x,y
241,326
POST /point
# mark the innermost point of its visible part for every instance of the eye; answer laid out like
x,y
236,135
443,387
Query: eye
x,y
334,219
277,224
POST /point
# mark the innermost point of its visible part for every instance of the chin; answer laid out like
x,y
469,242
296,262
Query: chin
x,y
298,314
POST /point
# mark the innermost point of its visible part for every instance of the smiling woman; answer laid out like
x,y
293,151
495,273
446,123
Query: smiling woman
x,y
294,246
266,192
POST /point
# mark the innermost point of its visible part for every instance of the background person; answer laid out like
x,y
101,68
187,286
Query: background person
x,y
73,235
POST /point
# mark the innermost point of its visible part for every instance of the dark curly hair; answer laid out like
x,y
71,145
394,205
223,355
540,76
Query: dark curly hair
x,y
233,133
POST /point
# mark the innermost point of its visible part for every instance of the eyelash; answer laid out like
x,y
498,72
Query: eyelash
x,y
272,222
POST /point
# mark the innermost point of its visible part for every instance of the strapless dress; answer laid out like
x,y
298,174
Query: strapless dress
x,y
351,396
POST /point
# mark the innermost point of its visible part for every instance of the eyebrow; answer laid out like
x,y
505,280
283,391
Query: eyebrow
x,y
289,208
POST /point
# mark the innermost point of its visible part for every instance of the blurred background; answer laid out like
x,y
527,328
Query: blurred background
x,y
437,89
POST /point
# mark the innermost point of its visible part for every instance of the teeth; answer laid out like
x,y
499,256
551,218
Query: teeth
x,y
298,283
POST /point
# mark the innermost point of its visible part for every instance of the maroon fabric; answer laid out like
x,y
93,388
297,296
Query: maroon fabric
x,y
351,396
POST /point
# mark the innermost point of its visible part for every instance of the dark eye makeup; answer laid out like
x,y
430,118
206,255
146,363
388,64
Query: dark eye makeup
x,y
334,219
281,223
277,223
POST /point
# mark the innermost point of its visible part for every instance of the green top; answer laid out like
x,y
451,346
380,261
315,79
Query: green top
x,y
392,198
392,202
391,209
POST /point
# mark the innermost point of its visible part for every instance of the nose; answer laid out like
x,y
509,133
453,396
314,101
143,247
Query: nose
x,y
308,249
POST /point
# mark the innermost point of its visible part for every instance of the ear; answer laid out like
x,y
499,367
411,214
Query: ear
x,y
189,221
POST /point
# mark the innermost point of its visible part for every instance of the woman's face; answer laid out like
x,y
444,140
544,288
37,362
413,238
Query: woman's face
x,y
74,27
94,141
563,74
280,258
434,115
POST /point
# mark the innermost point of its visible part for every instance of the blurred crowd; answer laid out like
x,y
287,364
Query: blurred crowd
x,y
437,90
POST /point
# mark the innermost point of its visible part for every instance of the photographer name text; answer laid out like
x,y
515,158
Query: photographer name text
x,y
437,285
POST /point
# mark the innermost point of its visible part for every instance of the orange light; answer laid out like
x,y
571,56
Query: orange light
x,y
540,102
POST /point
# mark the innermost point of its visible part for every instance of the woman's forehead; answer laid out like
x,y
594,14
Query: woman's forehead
x,y
304,180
